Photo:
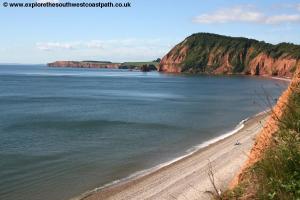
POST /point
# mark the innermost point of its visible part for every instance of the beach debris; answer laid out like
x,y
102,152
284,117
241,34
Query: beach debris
x,y
237,143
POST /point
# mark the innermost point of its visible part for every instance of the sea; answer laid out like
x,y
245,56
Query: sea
x,y
66,131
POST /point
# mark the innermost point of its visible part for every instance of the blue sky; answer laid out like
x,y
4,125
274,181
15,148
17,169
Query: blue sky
x,y
145,31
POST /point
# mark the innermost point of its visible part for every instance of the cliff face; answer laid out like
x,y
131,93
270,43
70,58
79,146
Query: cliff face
x,y
264,138
84,64
216,54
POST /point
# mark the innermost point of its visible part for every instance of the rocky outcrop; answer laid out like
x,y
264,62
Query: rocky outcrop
x,y
84,64
216,54
172,62
266,65
148,68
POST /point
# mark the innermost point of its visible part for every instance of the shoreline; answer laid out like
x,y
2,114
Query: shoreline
x,y
107,191
282,78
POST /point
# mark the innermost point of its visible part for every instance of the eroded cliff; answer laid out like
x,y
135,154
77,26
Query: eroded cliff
x,y
216,54
265,137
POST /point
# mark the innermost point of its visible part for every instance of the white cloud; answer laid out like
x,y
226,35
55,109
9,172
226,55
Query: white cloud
x,y
237,13
101,44
45,1
279,19
245,14
94,44
49,46
114,49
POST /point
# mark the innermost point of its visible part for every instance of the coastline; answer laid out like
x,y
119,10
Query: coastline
x,y
126,187
282,78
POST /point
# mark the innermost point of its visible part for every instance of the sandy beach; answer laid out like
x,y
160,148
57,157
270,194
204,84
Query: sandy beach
x,y
188,178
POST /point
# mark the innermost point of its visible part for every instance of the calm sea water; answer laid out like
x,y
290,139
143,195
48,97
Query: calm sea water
x,y
66,131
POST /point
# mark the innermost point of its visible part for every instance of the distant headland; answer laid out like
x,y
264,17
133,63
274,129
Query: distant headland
x,y
142,66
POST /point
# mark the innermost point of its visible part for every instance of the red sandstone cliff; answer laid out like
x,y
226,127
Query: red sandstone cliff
x,y
215,54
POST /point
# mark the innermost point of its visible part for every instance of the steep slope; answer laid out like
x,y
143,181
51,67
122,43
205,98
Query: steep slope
x,y
216,54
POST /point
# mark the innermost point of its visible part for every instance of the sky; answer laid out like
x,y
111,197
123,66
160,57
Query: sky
x,y
145,31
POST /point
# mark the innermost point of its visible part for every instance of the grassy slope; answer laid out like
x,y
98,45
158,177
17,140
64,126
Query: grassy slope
x,y
277,174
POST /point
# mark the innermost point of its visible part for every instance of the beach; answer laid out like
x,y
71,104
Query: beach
x,y
187,178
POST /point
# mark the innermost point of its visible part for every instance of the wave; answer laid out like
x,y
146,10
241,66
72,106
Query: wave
x,y
188,152
263,112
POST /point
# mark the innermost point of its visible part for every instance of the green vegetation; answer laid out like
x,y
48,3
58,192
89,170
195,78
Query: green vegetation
x,y
201,45
139,64
157,60
99,62
277,174
143,66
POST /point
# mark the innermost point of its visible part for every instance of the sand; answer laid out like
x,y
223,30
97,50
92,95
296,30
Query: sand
x,y
188,179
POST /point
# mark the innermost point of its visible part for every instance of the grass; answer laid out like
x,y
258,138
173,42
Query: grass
x,y
277,174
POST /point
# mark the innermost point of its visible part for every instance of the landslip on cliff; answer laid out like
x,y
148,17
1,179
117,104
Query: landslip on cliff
x,y
216,54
